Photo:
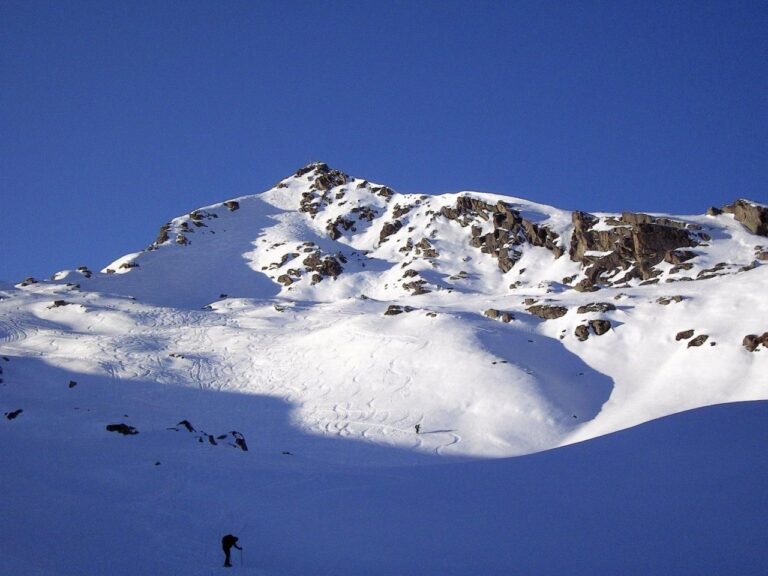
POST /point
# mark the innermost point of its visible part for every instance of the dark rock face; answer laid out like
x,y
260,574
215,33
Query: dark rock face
x,y
684,335
752,216
547,312
123,429
752,341
232,205
635,244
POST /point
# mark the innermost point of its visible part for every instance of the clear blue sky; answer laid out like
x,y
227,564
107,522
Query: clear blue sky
x,y
117,116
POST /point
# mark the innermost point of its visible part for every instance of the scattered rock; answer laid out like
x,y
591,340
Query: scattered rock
x,y
333,227
383,191
59,304
232,205
162,236
504,316
752,341
324,266
600,327
582,332
187,424
679,256
595,307
424,248
547,312
666,300
698,341
388,229
395,309
285,280
123,429
416,287
240,441
14,414
72,383
586,285
684,335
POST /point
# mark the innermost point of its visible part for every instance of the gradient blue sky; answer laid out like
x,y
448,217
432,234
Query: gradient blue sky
x,y
117,116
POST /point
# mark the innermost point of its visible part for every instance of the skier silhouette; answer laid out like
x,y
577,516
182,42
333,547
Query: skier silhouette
x,y
418,428
226,544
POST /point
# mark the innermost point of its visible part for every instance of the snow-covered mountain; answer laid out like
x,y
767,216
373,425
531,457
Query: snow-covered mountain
x,y
282,348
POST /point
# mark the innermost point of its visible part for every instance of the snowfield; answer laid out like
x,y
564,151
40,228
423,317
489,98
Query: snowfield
x,y
317,326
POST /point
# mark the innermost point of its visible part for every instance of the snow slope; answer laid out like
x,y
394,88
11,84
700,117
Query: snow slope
x,y
320,322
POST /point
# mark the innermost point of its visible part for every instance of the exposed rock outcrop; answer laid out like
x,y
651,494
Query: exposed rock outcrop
x,y
753,216
510,230
628,247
